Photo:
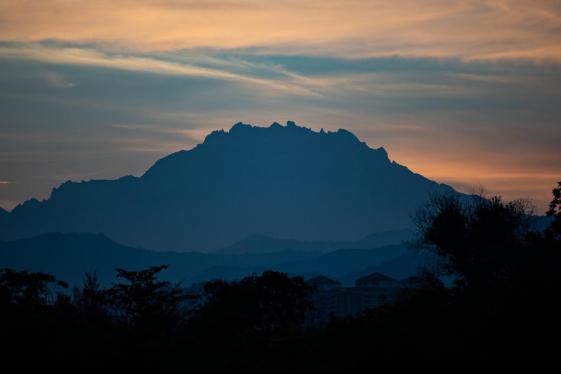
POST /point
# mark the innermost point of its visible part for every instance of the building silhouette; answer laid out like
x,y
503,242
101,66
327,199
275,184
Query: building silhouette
x,y
331,299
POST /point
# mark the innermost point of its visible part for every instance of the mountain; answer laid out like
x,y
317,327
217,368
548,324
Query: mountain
x,y
70,256
407,264
266,244
279,181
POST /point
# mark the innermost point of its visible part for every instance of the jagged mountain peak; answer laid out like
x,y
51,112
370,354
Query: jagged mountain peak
x,y
292,143
242,130
280,181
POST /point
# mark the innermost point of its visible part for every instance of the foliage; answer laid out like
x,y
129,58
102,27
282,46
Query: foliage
x,y
502,308
143,300
480,241
262,303
27,288
555,212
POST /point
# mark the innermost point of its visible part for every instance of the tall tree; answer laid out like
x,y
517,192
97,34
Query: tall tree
x,y
145,302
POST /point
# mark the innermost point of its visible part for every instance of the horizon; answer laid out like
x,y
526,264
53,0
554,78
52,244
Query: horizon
x,y
156,216
464,93
473,189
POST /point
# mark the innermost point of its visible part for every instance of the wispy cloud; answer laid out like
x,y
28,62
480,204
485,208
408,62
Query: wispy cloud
x,y
296,85
463,91
192,135
56,79
476,29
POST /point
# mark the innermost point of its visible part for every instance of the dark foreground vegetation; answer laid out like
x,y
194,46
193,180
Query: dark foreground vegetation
x,y
502,308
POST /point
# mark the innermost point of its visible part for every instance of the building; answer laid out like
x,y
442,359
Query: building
x,y
323,283
370,291
378,280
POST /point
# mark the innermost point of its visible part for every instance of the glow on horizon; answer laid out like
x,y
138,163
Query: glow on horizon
x,y
462,92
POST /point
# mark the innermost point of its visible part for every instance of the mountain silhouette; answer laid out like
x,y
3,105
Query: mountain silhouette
x,y
70,256
266,244
279,181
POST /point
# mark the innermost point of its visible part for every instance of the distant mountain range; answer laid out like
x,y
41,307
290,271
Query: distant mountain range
x,y
280,181
267,244
70,256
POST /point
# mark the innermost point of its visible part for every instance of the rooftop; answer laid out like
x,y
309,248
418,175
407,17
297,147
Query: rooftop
x,y
375,278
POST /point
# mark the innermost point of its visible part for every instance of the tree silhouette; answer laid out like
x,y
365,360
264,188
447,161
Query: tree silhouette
x,y
480,241
555,212
263,303
502,307
26,288
91,299
143,301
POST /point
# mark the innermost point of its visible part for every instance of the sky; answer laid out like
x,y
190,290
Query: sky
x,y
464,92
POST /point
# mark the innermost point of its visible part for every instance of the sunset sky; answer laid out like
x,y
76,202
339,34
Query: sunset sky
x,y
464,92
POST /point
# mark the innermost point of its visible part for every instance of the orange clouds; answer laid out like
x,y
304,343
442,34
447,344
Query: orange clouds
x,y
466,29
457,114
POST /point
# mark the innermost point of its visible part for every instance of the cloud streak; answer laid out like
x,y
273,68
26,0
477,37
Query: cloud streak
x,y
88,57
56,79
465,92
469,29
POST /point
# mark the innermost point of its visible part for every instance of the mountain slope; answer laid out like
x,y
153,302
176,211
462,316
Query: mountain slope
x,y
280,181
70,256
266,244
